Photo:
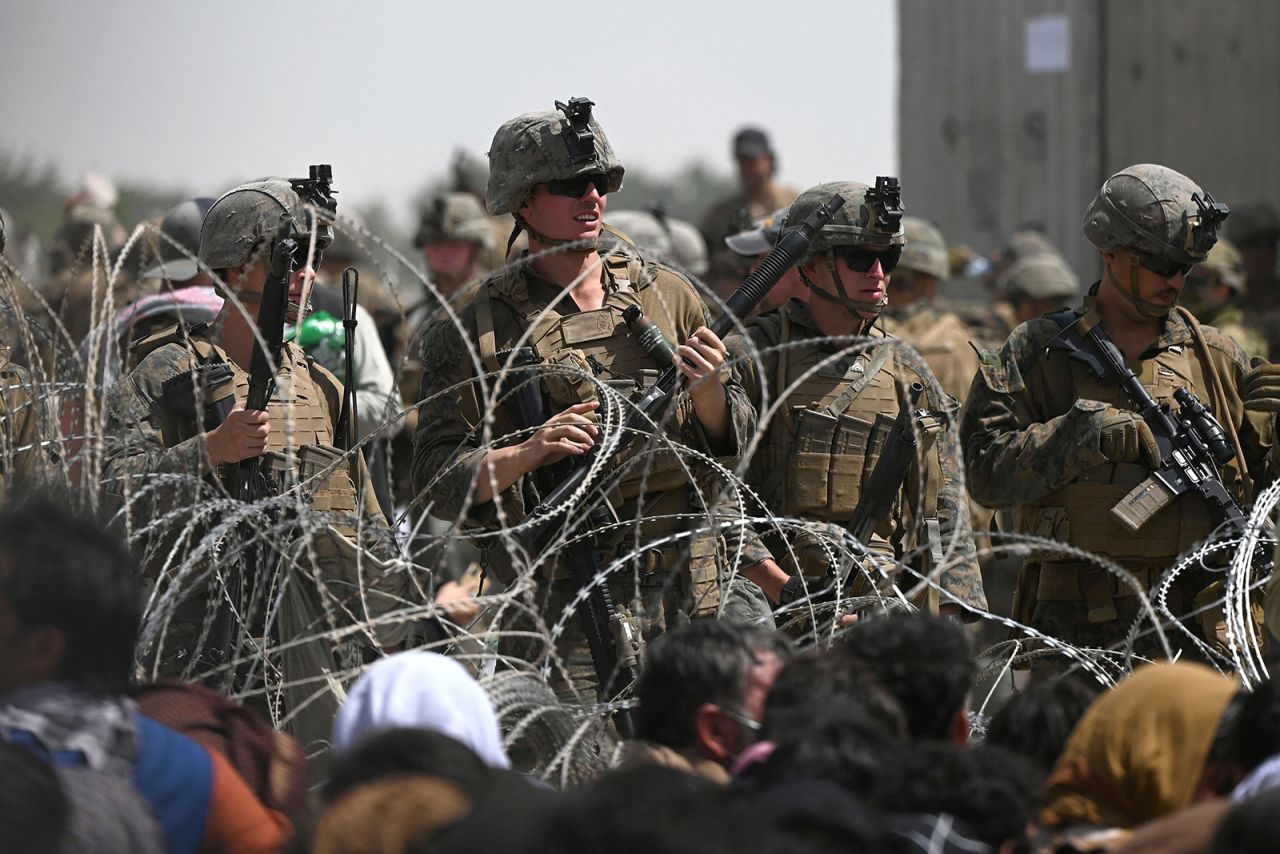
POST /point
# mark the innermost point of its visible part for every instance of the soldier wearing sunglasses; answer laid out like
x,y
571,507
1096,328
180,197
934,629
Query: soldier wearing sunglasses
x,y
1060,446
552,172
834,383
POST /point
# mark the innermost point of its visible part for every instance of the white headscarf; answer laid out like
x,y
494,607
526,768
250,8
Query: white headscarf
x,y
422,690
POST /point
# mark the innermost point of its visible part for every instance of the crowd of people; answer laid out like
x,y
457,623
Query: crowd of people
x,y
630,533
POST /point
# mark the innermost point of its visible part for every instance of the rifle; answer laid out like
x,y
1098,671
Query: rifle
x,y
881,489
613,641
790,249
1191,441
246,481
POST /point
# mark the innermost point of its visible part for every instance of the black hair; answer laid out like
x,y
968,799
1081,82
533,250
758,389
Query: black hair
x,y
404,751
63,570
923,661
1036,722
1250,826
841,745
34,809
1249,731
706,661
820,680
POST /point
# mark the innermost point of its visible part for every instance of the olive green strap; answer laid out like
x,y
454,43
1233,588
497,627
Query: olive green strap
x,y
837,407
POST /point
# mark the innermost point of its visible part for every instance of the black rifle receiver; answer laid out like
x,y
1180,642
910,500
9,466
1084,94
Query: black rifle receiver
x,y
609,636
881,489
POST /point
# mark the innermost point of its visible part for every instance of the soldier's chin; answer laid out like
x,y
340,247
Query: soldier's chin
x,y
294,312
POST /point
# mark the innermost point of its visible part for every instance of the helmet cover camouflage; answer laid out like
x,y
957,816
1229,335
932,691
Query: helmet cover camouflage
x,y
247,219
925,250
861,222
1157,211
552,145
455,217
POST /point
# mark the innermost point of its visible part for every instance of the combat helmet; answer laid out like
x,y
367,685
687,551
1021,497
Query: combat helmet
x,y
871,216
246,220
1227,264
1158,212
1044,275
925,250
552,145
455,216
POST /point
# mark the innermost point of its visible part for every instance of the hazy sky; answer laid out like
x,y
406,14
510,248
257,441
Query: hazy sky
x,y
204,94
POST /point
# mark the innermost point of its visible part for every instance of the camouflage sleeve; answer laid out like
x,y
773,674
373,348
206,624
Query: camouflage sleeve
x,y
1014,453
142,436
961,577
446,444
742,542
1256,430
26,450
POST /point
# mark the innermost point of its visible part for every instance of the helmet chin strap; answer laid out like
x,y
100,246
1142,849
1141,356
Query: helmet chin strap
x,y
854,306
1148,309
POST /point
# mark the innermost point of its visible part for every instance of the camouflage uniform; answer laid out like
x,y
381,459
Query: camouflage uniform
x,y
328,581
824,438
731,216
514,307
1034,426
24,428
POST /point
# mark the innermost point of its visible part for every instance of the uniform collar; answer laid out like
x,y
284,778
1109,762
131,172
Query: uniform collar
x,y
1174,330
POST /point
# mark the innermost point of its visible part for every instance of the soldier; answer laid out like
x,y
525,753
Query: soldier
x,y
1048,438
814,460
153,429
24,418
1214,293
756,243
551,171
1035,285
758,195
913,314
457,241
471,176
1255,230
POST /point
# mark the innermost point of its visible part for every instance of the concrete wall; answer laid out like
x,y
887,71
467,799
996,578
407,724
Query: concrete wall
x,y
988,145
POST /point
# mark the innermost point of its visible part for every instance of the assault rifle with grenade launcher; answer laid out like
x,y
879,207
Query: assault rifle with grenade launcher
x,y
1191,441
614,645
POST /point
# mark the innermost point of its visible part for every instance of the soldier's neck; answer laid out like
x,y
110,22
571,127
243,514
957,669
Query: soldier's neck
x,y
835,322
235,336
1129,329
583,270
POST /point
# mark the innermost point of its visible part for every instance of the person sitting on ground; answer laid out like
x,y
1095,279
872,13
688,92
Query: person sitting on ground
x,y
1037,721
702,695
924,662
1137,754
69,619
421,690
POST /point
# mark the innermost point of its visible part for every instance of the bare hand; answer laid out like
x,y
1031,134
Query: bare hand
x,y
701,358
241,436
569,433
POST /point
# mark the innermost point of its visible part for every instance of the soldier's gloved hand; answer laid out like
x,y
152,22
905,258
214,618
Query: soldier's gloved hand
x,y
819,589
1262,387
1126,438
241,436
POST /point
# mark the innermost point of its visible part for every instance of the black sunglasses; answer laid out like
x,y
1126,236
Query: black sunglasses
x,y
300,255
576,188
1163,267
861,260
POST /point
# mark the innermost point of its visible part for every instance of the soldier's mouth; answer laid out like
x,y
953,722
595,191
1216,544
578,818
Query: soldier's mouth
x,y
590,216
